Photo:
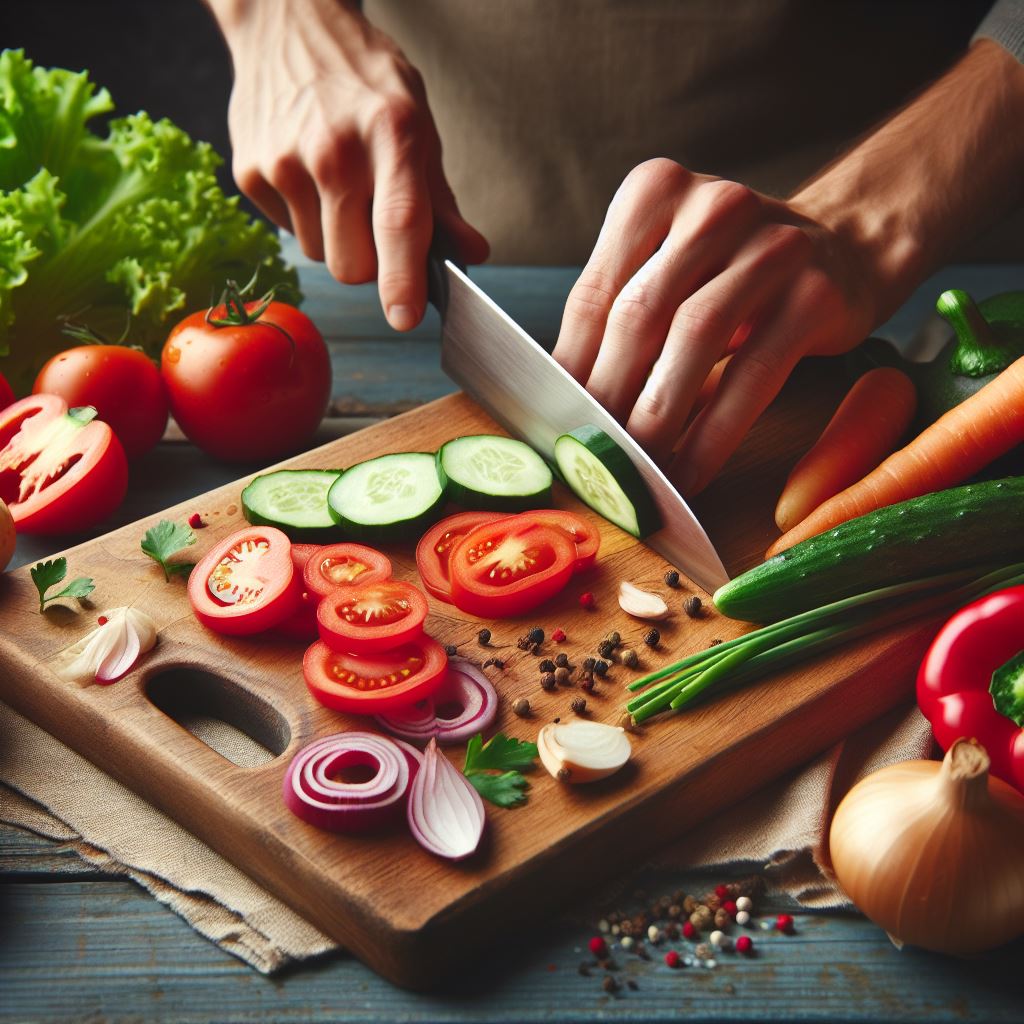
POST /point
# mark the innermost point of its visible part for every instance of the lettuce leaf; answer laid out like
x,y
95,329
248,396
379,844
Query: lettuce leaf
x,y
98,228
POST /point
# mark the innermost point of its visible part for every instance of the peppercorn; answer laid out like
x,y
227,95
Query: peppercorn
x,y
522,707
745,945
562,660
563,675
496,662
196,521
587,684
587,600
743,917
744,903
579,705
606,648
672,959
689,930
674,910
588,664
558,636
730,907
720,940
641,951
672,932
547,665
722,918
722,891
712,901
524,643
451,650
703,951
629,658
714,643
536,635
702,918
652,638
600,668
548,681
692,606
654,934
598,947
535,650
672,579
626,927
563,773
784,924
614,638
610,984
483,638
689,904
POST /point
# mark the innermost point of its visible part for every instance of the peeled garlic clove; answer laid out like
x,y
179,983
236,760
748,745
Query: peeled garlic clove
x,y
641,604
581,751
110,650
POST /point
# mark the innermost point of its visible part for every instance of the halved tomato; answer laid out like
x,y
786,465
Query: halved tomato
x,y
371,617
368,684
302,625
507,567
338,565
246,583
585,536
60,471
435,549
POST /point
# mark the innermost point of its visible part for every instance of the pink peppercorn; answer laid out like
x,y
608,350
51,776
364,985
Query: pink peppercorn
x,y
196,521
744,944
784,924
558,636
689,931
672,958
599,947
721,891
729,906
587,600
102,620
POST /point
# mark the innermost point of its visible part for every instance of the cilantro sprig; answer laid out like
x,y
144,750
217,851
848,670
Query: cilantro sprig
x,y
165,540
502,754
46,575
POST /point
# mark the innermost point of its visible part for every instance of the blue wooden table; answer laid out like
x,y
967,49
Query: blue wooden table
x,y
75,945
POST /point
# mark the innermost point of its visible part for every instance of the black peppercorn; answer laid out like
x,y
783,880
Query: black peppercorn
x,y
588,664
610,984
536,635
606,648
692,606
548,681
587,684
496,662
714,643
524,643
672,578
535,650
547,665
484,637
562,660
579,705
600,668
614,638
522,707
563,675
652,638
451,650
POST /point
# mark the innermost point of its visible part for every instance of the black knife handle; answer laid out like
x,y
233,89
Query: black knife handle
x,y
441,248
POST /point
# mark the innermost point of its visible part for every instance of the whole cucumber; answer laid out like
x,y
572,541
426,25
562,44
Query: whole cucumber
x,y
976,524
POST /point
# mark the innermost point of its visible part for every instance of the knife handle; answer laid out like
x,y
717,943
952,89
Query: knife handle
x,y
442,248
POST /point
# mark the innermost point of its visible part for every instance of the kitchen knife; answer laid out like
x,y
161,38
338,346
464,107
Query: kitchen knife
x,y
511,376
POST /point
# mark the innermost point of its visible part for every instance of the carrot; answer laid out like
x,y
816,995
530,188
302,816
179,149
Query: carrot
x,y
953,448
867,426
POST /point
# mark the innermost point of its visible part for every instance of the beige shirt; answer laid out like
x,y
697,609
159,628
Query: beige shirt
x,y
543,106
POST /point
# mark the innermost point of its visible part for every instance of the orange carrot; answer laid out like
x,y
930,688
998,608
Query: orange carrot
x,y
953,448
867,426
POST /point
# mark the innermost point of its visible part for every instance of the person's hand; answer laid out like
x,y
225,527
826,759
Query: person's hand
x,y
688,269
334,141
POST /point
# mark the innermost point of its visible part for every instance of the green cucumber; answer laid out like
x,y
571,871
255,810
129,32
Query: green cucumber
x,y
978,524
388,498
602,476
295,501
487,471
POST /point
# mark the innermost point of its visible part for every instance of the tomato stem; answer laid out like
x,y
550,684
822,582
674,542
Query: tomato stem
x,y
234,300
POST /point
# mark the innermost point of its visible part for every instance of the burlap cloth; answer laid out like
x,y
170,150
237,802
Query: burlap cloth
x,y
52,791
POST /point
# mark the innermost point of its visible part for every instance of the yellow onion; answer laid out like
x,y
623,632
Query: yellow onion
x,y
934,852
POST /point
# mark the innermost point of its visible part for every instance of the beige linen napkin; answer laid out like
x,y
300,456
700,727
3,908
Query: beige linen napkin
x,y
52,791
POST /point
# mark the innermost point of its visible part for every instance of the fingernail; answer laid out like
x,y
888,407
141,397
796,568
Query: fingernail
x,y
403,318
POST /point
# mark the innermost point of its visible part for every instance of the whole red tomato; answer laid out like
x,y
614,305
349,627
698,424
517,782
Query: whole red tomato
x,y
247,387
121,384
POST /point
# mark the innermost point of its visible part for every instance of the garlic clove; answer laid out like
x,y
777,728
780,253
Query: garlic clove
x,y
641,604
581,752
110,650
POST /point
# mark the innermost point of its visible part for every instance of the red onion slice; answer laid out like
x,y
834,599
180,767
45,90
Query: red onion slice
x,y
466,686
314,792
445,812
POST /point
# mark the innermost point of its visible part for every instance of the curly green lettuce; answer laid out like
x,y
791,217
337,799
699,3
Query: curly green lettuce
x,y
97,228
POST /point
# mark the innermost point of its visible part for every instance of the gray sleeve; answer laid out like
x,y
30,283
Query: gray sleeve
x,y
1005,25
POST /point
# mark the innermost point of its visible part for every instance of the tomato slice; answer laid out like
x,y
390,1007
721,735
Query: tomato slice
x,y
246,583
435,549
585,536
60,472
368,684
338,565
302,625
370,617
507,567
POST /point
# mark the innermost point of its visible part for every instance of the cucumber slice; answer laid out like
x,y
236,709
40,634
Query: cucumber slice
x,y
602,475
486,471
293,500
388,498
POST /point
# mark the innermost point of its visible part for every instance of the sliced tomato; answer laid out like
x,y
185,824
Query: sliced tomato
x,y
585,536
507,567
368,684
60,471
246,583
338,565
435,549
372,617
302,625
6,392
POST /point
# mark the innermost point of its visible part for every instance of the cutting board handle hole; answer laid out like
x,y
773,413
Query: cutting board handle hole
x,y
238,725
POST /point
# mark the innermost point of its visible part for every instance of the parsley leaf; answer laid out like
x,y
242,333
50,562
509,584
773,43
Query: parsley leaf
x,y
46,575
505,790
167,539
504,754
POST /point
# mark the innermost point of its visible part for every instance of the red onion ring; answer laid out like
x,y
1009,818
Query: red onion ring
x,y
445,812
313,792
466,685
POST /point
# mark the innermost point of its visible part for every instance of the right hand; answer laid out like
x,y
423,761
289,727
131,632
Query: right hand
x,y
334,141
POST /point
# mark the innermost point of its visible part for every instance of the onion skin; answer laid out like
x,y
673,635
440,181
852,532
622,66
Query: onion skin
x,y
934,852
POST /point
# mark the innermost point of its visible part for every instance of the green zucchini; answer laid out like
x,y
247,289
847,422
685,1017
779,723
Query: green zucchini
x,y
295,501
978,524
487,471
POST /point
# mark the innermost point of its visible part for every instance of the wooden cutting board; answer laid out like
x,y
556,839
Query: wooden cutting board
x,y
411,916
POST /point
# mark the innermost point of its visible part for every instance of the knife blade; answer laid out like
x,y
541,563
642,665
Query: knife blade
x,y
516,381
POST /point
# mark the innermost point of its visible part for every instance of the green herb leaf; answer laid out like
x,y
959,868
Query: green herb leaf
x,y
46,575
167,539
505,790
500,753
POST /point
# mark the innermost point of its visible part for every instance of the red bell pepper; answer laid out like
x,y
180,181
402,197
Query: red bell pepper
x,y
971,682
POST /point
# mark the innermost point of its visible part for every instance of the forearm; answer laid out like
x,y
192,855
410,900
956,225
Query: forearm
x,y
244,22
931,177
